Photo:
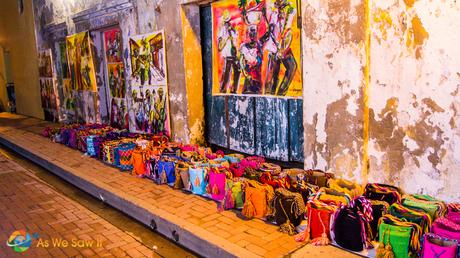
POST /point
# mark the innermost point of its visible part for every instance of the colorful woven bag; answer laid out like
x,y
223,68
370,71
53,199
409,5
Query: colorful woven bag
x,y
165,172
140,158
425,203
125,151
404,236
289,209
217,184
446,228
198,180
420,218
439,247
382,192
352,189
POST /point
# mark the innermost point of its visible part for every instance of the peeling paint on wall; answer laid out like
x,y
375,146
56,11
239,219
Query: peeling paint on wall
x,y
413,92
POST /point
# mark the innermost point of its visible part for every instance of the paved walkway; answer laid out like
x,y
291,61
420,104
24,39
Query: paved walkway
x,y
191,220
27,203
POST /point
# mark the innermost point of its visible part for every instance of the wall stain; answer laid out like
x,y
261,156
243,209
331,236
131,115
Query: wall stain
x,y
343,146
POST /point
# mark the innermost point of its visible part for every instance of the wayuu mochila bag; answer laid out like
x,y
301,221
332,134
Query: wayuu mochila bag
x,y
257,201
140,159
289,209
125,151
382,192
439,247
165,171
420,218
319,215
403,236
351,225
314,177
446,228
425,203
198,180
328,194
181,167
352,189
217,184
379,208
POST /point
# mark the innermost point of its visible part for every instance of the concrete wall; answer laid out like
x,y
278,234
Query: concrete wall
x,y
18,37
383,90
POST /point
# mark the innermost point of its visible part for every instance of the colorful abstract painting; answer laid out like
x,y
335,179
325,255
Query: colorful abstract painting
x,y
256,48
148,59
80,60
151,109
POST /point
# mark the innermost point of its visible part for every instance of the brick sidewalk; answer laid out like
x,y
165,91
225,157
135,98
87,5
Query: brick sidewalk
x,y
204,230
28,203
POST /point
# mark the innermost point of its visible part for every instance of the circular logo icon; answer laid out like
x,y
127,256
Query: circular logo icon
x,y
20,241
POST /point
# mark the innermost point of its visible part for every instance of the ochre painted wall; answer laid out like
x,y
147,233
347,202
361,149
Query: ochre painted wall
x,y
3,81
17,35
410,136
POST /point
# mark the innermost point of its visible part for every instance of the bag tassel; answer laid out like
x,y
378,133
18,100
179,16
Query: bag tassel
x,y
229,201
305,235
163,177
215,189
385,251
323,239
249,210
197,182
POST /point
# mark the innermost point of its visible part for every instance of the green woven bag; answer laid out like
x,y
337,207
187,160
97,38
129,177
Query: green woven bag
x,y
425,206
399,237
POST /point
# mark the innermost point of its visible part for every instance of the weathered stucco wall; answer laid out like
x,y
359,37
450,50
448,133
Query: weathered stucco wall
x,y
414,96
18,37
411,92
334,58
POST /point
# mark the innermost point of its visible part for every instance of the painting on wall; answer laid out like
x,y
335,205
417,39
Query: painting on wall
x,y
149,84
118,110
82,78
45,68
116,80
47,83
80,60
148,59
112,42
256,48
150,106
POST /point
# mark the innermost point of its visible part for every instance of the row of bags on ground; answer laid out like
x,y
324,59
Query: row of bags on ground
x,y
335,210
404,225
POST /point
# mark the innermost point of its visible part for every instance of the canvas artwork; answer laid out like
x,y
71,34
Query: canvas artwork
x,y
80,60
148,59
48,93
151,109
47,83
45,68
112,41
116,79
89,106
256,48
68,98
149,84
119,116
118,110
